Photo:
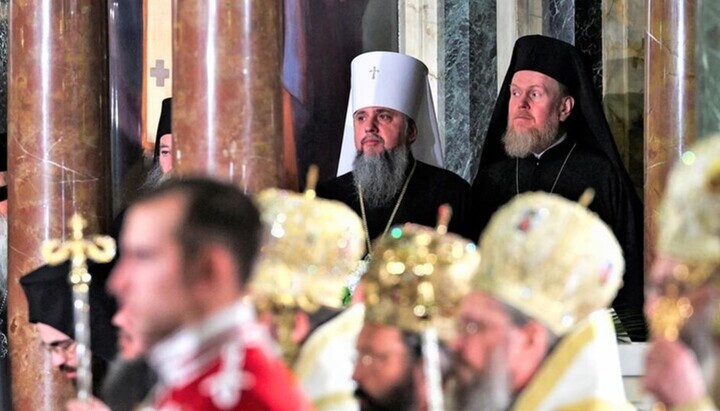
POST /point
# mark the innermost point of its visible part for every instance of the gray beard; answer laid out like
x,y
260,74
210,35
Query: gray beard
x,y
488,390
154,178
520,144
381,177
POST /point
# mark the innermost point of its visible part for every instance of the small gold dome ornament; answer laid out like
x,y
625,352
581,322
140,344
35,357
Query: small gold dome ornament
x,y
417,277
311,247
550,258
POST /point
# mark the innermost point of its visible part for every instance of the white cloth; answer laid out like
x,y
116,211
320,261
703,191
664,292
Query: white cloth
x,y
183,356
581,374
326,362
399,82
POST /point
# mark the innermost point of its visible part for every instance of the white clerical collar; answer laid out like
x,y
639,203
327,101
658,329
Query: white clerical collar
x,y
181,356
558,141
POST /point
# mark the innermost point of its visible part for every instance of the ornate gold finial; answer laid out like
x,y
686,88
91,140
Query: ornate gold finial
x,y
78,250
311,181
444,216
587,197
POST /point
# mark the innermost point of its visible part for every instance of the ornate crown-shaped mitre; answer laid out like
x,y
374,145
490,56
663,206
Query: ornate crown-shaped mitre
x,y
550,258
690,210
417,278
311,247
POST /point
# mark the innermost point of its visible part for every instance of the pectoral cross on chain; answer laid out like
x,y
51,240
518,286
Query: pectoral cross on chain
x,y
374,71
78,250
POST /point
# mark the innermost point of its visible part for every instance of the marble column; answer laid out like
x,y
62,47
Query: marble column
x,y
708,59
468,79
623,68
125,53
57,158
670,92
227,119
4,39
578,23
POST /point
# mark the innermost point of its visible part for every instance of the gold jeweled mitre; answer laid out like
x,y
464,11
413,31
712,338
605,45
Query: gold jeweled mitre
x,y
550,258
311,247
689,232
689,227
417,278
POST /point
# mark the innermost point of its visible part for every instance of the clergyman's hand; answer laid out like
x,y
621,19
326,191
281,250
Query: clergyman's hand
x,y
672,373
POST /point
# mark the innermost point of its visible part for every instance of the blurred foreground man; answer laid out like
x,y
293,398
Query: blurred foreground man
x,y
415,282
534,334
311,247
682,294
187,251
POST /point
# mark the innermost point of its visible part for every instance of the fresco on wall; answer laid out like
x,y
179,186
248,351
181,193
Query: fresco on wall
x,y
321,39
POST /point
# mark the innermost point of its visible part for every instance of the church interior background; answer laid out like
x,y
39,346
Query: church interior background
x,y
655,62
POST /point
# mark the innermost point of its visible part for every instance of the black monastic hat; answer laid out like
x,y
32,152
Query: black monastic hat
x,y
566,64
49,297
164,126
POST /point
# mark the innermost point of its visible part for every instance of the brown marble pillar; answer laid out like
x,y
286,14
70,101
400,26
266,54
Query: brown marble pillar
x,y
58,140
670,94
227,106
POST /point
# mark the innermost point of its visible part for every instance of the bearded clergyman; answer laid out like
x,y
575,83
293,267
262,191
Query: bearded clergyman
x,y
392,173
549,133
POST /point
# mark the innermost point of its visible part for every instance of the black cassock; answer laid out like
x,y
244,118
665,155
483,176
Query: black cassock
x,y
496,184
428,189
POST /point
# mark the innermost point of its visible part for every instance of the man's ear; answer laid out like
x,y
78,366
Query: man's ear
x,y
529,346
412,132
214,269
566,106
301,327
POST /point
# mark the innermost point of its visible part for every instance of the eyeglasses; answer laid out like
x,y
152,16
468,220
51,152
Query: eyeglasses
x,y
61,347
369,359
467,328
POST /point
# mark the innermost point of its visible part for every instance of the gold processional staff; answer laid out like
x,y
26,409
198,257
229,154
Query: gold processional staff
x,y
78,250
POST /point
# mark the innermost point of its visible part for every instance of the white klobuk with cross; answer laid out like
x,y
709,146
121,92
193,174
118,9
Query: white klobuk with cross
x,y
157,64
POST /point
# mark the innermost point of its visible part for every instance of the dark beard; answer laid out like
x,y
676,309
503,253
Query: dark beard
x,y
128,382
520,144
400,397
381,177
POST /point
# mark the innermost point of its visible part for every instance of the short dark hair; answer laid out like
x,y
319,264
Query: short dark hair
x,y
215,213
